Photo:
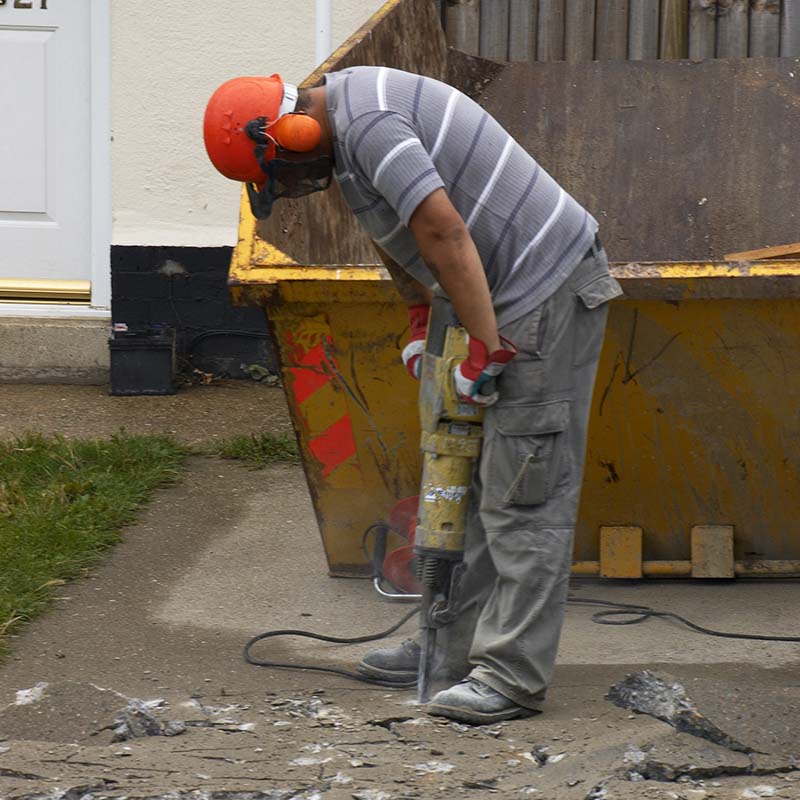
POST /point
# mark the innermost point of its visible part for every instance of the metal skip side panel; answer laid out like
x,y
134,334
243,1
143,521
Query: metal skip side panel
x,y
694,422
354,410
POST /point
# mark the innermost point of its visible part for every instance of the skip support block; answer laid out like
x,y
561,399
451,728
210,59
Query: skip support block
x,y
621,552
712,551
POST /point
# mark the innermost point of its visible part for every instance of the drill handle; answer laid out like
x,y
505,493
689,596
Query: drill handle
x,y
442,317
489,387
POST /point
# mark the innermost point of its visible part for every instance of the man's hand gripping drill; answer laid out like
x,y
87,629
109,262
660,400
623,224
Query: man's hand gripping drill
x,y
458,382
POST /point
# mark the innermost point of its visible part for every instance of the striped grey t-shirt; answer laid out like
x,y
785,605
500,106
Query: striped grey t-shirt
x,y
399,136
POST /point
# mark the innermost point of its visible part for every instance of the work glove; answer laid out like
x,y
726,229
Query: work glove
x,y
475,376
412,352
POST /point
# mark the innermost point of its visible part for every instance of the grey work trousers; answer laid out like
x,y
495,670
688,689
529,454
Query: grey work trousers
x,y
525,493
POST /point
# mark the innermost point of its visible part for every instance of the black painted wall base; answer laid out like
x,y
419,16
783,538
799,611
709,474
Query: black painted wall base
x,y
186,288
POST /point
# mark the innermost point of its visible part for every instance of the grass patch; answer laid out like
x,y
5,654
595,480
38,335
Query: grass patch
x,y
63,502
258,449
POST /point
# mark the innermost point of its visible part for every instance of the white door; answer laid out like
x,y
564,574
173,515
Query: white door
x,y
45,139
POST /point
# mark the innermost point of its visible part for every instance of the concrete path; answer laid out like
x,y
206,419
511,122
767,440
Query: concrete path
x,y
229,552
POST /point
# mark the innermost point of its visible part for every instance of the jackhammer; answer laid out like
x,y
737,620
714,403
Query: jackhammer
x,y
452,432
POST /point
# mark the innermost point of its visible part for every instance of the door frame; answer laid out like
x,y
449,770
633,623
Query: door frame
x,y
100,183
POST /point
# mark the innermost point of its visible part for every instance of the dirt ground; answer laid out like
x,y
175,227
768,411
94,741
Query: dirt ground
x,y
229,552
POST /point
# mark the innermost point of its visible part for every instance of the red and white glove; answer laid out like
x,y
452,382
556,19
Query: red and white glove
x,y
476,374
412,352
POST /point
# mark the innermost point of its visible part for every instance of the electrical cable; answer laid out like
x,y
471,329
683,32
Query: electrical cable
x,y
335,640
604,617
376,526
223,332
643,613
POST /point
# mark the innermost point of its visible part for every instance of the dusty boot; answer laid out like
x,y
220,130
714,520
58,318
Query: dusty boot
x,y
475,703
393,664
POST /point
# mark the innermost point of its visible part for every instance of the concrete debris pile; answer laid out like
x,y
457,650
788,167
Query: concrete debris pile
x,y
101,793
310,745
136,721
222,717
322,712
85,713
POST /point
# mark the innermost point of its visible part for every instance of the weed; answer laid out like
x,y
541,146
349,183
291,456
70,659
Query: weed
x,y
258,449
63,502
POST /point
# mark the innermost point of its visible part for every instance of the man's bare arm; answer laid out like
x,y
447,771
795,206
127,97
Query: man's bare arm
x,y
447,248
411,290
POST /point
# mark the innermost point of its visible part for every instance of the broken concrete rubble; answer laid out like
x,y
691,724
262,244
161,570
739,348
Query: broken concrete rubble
x,y
99,793
718,754
135,721
368,744
664,698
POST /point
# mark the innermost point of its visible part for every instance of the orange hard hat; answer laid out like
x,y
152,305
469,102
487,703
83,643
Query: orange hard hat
x,y
232,108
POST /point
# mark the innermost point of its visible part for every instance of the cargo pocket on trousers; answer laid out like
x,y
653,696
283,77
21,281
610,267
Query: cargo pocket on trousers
x,y
589,325
599,290
534,451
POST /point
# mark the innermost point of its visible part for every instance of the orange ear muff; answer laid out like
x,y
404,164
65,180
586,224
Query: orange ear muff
x,y
297,132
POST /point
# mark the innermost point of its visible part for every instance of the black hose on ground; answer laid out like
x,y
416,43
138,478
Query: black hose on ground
x,y
640,614
335,640
643,613
608,616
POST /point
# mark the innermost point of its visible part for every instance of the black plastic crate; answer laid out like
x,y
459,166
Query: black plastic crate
x,y
142,361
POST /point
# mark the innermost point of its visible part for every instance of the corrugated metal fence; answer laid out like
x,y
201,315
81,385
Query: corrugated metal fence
x,y
587,30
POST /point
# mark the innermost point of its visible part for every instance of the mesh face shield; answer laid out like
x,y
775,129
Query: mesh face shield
x,y
289,179
284,178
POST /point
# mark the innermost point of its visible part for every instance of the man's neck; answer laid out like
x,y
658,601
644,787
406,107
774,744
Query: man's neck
x,y
318,110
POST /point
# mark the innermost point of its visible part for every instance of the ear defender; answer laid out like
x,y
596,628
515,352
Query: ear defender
x,y
297,132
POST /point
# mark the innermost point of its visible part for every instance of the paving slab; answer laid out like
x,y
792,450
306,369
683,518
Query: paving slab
x,y
228,552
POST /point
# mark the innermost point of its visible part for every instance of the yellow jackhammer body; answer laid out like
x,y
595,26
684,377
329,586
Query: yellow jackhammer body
x,y
452,432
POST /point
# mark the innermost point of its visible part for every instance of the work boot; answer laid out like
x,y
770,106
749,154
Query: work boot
x,y
475,703
398,664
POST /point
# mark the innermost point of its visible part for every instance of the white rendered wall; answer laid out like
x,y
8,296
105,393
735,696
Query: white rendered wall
x,y
167,59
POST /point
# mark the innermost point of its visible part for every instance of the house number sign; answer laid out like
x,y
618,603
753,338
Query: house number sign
x,y
26,4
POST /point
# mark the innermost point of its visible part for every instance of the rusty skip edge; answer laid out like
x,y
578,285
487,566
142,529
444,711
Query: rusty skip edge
x,y
669,281
650,569
683,569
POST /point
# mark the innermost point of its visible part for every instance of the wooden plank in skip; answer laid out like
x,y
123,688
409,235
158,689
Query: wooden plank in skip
x,y
523,17
550,46
790,28
702,29
494,29
674,29
779,251
733,24
765,28
611,30
579,42
464,25
643,30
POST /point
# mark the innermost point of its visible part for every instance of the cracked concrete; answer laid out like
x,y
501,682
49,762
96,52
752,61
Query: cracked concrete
x,y
229,552
662,697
